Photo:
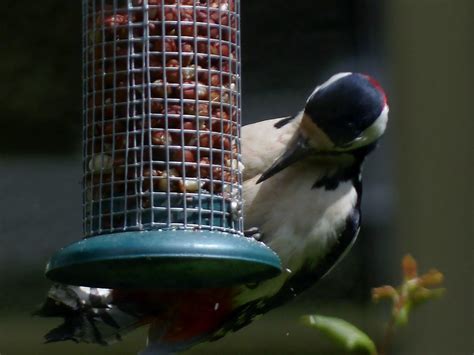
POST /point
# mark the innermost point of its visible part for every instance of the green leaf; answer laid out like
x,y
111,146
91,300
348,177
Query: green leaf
x,y
351,338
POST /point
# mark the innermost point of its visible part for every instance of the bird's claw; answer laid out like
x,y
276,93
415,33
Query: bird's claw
x,y
254,233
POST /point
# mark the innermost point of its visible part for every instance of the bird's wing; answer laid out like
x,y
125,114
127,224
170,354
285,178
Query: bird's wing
x,y
263,142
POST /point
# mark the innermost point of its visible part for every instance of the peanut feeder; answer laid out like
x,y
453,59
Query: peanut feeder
x,y
162,170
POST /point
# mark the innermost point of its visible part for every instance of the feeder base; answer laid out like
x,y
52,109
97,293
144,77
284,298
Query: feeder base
x,y
163,259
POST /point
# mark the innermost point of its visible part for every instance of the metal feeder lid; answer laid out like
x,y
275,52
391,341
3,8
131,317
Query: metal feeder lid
x,y
164,259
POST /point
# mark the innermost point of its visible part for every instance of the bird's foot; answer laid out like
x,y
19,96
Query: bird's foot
x,y
254,233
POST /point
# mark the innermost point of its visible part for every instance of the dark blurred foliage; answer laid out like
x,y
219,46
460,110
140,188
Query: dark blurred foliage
x,y
41,75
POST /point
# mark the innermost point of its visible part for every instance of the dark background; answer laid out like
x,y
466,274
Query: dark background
x,y
417,198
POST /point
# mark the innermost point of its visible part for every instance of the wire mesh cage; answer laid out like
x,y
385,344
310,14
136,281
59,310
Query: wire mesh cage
x,y
162,116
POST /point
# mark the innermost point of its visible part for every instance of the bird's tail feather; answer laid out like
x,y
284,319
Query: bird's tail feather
x,y
89,316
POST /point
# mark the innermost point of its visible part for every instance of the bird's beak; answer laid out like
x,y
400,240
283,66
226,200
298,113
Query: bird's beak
x,y
297,150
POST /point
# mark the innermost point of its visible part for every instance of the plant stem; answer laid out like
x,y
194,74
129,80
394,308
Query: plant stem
x,y
388,336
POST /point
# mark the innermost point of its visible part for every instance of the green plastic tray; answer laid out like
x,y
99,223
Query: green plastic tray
x,y
164,259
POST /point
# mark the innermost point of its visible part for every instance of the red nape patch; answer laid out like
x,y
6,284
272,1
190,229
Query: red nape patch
x,y
379,88
185,314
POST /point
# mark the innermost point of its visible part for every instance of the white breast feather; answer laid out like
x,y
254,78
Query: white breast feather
x,y
299,223
262,143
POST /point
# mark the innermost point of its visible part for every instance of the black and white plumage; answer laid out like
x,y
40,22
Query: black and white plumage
x,y
302,190
302,183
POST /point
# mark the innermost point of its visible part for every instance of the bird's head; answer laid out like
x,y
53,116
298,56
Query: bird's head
x,y
347,113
